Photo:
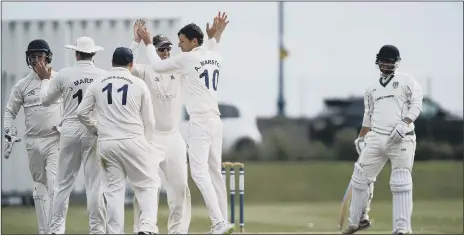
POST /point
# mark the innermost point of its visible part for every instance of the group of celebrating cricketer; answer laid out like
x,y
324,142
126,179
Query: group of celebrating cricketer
x,y
123,125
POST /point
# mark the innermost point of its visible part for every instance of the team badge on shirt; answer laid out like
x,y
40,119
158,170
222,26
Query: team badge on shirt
x,y
395,85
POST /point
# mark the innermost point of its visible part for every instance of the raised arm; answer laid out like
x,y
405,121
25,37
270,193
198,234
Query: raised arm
x,y
171,65
50,90
135,44
211,45
137,70
147,114
415,95
85,108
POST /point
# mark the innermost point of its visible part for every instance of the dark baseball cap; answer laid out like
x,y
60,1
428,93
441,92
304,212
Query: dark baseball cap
x,y
161,41
122,56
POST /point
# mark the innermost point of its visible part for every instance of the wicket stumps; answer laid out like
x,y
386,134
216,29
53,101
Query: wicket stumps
x,y
241,188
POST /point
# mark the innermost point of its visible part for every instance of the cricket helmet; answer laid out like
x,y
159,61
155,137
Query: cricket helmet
x,y
38,45
388,59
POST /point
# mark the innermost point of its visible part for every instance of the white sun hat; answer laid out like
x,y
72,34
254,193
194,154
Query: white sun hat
x,y
86,45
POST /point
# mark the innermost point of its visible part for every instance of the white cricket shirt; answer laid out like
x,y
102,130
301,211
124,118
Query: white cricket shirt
x,y
165,91
39,120
391,99
199,70
71,83
122,105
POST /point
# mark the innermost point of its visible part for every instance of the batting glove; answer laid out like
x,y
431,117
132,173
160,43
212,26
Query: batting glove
x,y
359,144
11,130
399,132
9,142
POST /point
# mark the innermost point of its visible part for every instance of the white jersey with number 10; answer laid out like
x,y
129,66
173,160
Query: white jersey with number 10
x,y
199,69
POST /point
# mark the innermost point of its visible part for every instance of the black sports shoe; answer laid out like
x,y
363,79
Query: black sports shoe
x,y
363,224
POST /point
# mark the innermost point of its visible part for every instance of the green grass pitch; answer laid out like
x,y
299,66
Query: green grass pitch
x,y
445,217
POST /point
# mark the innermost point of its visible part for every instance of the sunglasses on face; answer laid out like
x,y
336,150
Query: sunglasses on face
x,y
164,48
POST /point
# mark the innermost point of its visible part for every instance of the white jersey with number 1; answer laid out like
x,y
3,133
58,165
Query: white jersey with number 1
x,y
77,145
71,84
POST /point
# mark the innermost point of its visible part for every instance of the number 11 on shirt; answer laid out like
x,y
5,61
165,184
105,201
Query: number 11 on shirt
x,y
215,78
109,89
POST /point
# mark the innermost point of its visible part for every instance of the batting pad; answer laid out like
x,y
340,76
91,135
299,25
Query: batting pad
x,y
401,187
42,207
365,215
360,194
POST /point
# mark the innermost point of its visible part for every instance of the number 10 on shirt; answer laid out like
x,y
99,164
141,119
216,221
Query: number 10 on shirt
x,y
215,78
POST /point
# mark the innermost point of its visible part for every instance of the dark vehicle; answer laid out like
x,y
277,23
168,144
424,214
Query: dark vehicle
x,y
434,122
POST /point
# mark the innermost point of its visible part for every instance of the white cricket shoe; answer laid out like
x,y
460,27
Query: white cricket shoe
x,y
223,227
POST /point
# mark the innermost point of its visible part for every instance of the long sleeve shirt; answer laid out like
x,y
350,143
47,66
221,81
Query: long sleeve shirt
x,y
39,120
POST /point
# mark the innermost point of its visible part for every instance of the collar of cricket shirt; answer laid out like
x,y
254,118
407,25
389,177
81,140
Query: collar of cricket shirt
x,y
120,69
85,62
196,48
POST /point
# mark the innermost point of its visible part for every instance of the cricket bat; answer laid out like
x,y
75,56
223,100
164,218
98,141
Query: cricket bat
x,y
344,207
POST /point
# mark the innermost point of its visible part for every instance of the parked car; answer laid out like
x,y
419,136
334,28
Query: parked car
x,y
434,121
240,128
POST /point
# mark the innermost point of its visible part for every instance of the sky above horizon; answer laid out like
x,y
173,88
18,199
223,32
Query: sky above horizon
x,y
332,45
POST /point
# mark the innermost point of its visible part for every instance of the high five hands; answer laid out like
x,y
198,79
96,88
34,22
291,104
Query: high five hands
x,y
139,23
215,30
219,25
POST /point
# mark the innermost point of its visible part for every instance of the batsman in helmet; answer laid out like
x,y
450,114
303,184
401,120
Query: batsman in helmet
x,y
391,105
41,135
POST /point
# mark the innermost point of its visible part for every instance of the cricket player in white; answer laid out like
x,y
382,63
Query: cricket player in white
x,y
391,106
166,91
42,138
125,125
199,69
77,143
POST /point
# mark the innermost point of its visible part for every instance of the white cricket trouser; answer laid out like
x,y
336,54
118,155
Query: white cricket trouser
x,y
43,156
78,147
139,161
174,169
204,147
377,152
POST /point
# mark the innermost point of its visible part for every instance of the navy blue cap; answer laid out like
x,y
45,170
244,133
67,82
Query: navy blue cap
x,y
122,56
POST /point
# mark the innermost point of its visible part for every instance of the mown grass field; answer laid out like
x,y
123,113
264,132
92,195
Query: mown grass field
x,y
444,217
302,197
